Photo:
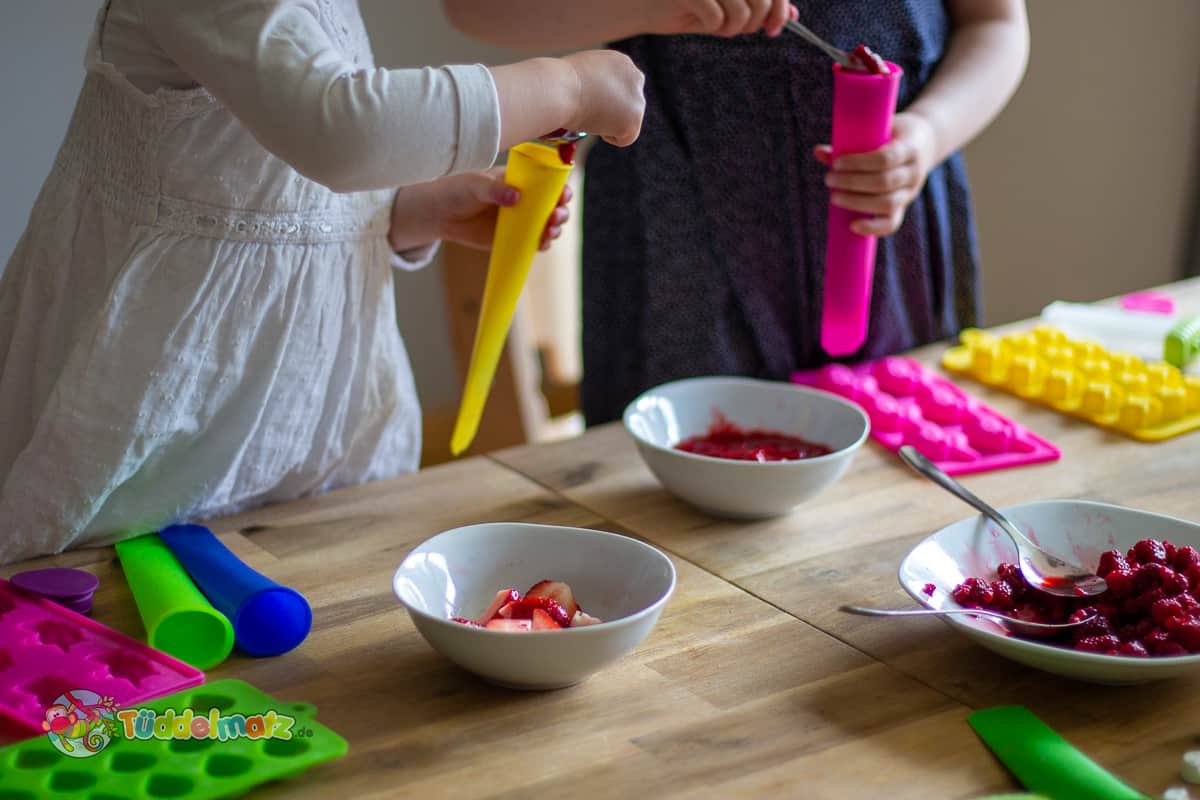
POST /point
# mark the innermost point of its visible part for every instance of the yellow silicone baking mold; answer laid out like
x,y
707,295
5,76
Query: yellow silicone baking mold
x,y
1148,401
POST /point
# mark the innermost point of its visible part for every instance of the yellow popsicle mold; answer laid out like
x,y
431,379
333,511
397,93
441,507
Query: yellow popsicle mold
x,y
538,172
1146,401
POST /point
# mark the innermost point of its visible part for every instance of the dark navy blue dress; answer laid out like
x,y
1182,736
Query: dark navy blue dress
x,y
704,242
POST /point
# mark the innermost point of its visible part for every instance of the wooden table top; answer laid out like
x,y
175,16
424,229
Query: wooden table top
x,y
751,684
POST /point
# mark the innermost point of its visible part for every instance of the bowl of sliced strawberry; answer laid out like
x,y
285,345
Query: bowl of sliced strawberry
x,y
591,597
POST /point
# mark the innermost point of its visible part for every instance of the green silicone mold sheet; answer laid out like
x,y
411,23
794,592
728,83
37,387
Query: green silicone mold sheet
x,y
187,769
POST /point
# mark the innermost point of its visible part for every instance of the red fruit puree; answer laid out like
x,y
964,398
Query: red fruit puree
x,y
869,61
1151,607
726,440
566,150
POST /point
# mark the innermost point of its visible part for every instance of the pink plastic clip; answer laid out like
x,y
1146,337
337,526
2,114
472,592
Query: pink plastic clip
x,y
1151,302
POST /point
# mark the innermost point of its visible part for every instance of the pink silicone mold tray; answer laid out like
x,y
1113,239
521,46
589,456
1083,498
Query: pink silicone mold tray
x,y
46,650
911,404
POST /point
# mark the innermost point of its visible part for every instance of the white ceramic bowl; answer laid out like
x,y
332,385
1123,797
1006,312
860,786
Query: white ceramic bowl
x,y
621,580
1075,528
666,415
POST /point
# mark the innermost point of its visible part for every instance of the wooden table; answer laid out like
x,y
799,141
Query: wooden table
x,y
751,685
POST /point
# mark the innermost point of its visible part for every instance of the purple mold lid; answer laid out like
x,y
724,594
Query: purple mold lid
x,y
57,583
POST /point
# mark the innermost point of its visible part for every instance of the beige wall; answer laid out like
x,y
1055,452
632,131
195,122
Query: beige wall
x,y
1084,186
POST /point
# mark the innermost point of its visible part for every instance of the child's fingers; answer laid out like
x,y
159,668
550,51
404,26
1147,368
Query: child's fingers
x,y
560,215
878,226
892,154
759,9
778,16
567,195
889,180
737,14
878,204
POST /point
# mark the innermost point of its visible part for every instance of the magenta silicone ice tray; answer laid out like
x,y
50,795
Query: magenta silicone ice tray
x,y
909,403
46,650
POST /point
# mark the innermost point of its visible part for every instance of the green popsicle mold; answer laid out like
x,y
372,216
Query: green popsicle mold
x,y
187,769
1042,760
178,618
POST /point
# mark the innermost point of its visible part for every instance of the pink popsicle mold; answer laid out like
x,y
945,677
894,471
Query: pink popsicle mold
x,y
46,649
908,403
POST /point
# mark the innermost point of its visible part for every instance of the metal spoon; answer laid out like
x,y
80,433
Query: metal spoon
x,y
837,54
1019,626
1044,571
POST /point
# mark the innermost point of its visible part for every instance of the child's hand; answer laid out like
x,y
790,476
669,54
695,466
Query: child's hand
x,y
610,103
462,209
884,181
718,17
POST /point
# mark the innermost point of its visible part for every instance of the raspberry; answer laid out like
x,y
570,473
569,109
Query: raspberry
x,y
1095,627
1170,550
1098,644
1164,610
1171,581
1011,574
1136,649
1146,577
1110,560
1150,551
1002,595
973,591
1186,559
1188,636
1155,639
1142,603
1120,582
1170,649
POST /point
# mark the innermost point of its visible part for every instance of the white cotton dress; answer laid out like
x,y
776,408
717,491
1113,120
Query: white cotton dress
x,y
199,317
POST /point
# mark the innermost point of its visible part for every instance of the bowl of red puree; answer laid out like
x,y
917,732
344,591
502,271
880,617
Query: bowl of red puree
x,y
745,448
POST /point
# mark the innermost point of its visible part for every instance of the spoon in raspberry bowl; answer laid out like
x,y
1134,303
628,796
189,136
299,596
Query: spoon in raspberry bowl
x,y
1021,627
1043,570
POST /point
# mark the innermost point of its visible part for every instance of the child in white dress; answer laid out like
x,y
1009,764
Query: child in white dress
x,y
199,317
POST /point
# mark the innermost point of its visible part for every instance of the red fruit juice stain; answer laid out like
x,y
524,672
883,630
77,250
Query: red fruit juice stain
x,y
726,440
929,589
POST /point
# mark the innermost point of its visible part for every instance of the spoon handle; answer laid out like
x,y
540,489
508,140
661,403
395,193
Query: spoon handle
x,y
917,612
924,466
837,54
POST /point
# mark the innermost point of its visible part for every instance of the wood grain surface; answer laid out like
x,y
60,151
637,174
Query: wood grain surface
x,y
751,685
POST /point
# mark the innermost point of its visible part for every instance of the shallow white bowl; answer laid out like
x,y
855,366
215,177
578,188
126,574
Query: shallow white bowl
x,y
621,580
1078,529
666,415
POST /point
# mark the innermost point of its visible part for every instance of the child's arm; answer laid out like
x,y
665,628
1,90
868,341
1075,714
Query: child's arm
x,y
353,129
983,65
570,24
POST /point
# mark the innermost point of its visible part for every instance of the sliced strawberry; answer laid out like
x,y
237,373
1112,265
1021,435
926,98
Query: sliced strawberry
x,y
581,619
503,596
524,608
509,625
541,621
557,591
465,621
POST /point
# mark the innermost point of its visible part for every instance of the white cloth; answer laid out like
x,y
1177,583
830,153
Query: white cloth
x,y
199,317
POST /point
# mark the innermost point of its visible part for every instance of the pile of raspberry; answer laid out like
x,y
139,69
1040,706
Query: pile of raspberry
x,y
1151,606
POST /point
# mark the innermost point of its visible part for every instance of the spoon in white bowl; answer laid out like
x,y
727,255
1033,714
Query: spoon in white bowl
x,y
1019,626
1043,571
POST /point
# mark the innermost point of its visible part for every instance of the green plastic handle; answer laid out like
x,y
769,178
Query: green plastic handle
x,y
1042,760
179,620
1182,343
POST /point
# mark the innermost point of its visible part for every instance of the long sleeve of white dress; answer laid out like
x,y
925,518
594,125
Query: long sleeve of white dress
x,y
200,316
349,127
